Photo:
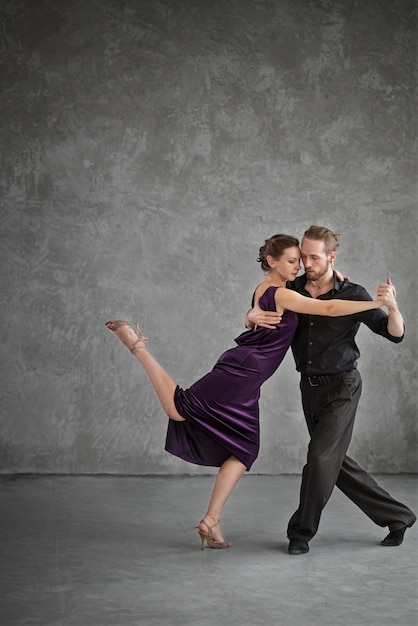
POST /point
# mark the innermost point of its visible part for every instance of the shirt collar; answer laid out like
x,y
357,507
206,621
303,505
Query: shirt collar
x,y
300,283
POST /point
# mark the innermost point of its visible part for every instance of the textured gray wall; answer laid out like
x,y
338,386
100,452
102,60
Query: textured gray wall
x,y
148,149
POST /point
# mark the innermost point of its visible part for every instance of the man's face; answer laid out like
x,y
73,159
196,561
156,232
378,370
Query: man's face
x,y
315,259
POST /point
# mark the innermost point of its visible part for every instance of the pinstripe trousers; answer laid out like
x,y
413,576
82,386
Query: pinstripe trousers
x,y
330,412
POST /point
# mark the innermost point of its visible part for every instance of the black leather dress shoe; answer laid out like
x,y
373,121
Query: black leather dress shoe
x,y
298,546
394,538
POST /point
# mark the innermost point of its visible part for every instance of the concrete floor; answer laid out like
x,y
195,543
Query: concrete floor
x,y
119,551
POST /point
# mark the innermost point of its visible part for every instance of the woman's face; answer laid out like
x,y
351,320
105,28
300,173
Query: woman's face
x,y
288,265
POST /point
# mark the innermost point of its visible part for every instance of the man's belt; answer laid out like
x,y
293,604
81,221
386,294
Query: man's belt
x,y
319,381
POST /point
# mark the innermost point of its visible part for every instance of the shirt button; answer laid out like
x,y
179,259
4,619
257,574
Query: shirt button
x,y
310,362
311,324
310,343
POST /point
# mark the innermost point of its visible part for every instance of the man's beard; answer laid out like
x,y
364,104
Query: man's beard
x,y
319,274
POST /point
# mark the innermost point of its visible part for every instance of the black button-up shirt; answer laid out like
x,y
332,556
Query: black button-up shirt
x,y
326,345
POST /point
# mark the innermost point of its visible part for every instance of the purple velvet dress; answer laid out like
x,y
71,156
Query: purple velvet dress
x,y
221,409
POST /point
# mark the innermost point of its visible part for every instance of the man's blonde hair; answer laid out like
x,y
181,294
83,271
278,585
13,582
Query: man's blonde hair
x,y
320,233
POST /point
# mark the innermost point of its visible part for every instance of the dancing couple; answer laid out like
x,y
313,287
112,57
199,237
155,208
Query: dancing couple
x,y
215,422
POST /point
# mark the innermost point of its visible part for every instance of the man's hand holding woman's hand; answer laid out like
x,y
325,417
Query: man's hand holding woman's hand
x,y
386,293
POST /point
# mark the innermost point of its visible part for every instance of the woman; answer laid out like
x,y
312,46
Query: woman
x,y
215,422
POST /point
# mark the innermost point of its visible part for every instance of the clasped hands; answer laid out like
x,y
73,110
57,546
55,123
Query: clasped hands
x,y
386,293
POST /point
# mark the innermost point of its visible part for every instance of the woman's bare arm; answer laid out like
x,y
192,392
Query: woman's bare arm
x,y
288,299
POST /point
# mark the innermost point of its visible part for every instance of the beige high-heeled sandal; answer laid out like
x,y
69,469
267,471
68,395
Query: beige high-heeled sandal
x,y
113,325
208,536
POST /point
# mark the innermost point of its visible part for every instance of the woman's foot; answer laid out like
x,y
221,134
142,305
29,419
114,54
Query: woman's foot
x,y
210,531
132,339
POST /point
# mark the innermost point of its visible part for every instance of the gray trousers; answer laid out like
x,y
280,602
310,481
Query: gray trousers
x,y
330,412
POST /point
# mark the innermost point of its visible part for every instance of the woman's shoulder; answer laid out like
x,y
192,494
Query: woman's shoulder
x,y
265,288
267,300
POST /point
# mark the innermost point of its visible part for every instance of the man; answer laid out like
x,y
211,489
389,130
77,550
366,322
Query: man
x,y
326,356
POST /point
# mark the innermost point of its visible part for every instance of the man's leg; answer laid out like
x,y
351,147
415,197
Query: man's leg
x,y
354,482
330,411
374,501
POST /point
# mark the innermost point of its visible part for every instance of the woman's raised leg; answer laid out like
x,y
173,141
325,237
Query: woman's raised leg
x,y
230,471
162,382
